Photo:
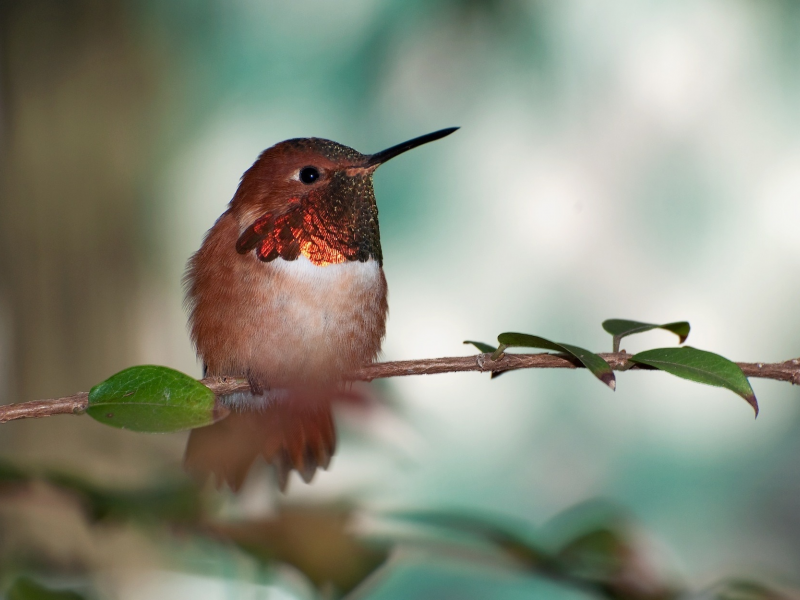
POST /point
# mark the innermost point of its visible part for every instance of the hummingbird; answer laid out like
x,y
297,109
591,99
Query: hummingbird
x,y
287,290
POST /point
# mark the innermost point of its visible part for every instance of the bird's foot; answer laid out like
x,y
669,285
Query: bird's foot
x,y
255,387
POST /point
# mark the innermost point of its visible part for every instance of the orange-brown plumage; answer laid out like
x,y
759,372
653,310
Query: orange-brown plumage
x,y
288,291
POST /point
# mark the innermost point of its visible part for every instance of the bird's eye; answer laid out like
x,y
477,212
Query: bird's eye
x,y
309,175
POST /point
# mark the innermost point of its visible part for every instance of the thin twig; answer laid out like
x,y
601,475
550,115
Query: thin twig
x,y
35,409
785,371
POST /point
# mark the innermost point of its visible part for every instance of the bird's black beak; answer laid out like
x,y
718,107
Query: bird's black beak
x,y
381,157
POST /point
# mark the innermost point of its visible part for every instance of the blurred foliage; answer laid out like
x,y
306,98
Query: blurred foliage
x,y
316,540
25,588
602,554
739,589
173,502
594,547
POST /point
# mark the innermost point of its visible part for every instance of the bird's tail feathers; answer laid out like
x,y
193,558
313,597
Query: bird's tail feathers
x,y
291,431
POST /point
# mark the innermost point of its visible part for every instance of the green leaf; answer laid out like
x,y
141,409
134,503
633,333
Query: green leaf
x,y
700,366
599,367
318,541
154,400
25,588
10,473
509,535
169,500
485,348
620,328
598,554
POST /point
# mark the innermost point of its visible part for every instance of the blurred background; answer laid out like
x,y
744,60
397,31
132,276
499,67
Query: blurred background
x,y
626,159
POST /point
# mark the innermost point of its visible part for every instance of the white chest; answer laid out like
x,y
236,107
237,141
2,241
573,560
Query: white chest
x,y
312,318
313,298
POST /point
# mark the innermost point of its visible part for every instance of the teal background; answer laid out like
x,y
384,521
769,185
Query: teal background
x,y
627,159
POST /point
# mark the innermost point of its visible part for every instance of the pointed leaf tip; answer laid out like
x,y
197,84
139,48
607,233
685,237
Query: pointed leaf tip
x,y
702,367
593,362
751,400
484,348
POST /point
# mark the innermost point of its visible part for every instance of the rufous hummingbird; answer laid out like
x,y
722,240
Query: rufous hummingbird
x,y
288,291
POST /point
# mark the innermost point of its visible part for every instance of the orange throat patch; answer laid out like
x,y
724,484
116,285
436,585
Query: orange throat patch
x,y
328,228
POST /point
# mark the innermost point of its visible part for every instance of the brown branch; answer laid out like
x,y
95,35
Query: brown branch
x,y
785,371
35,409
